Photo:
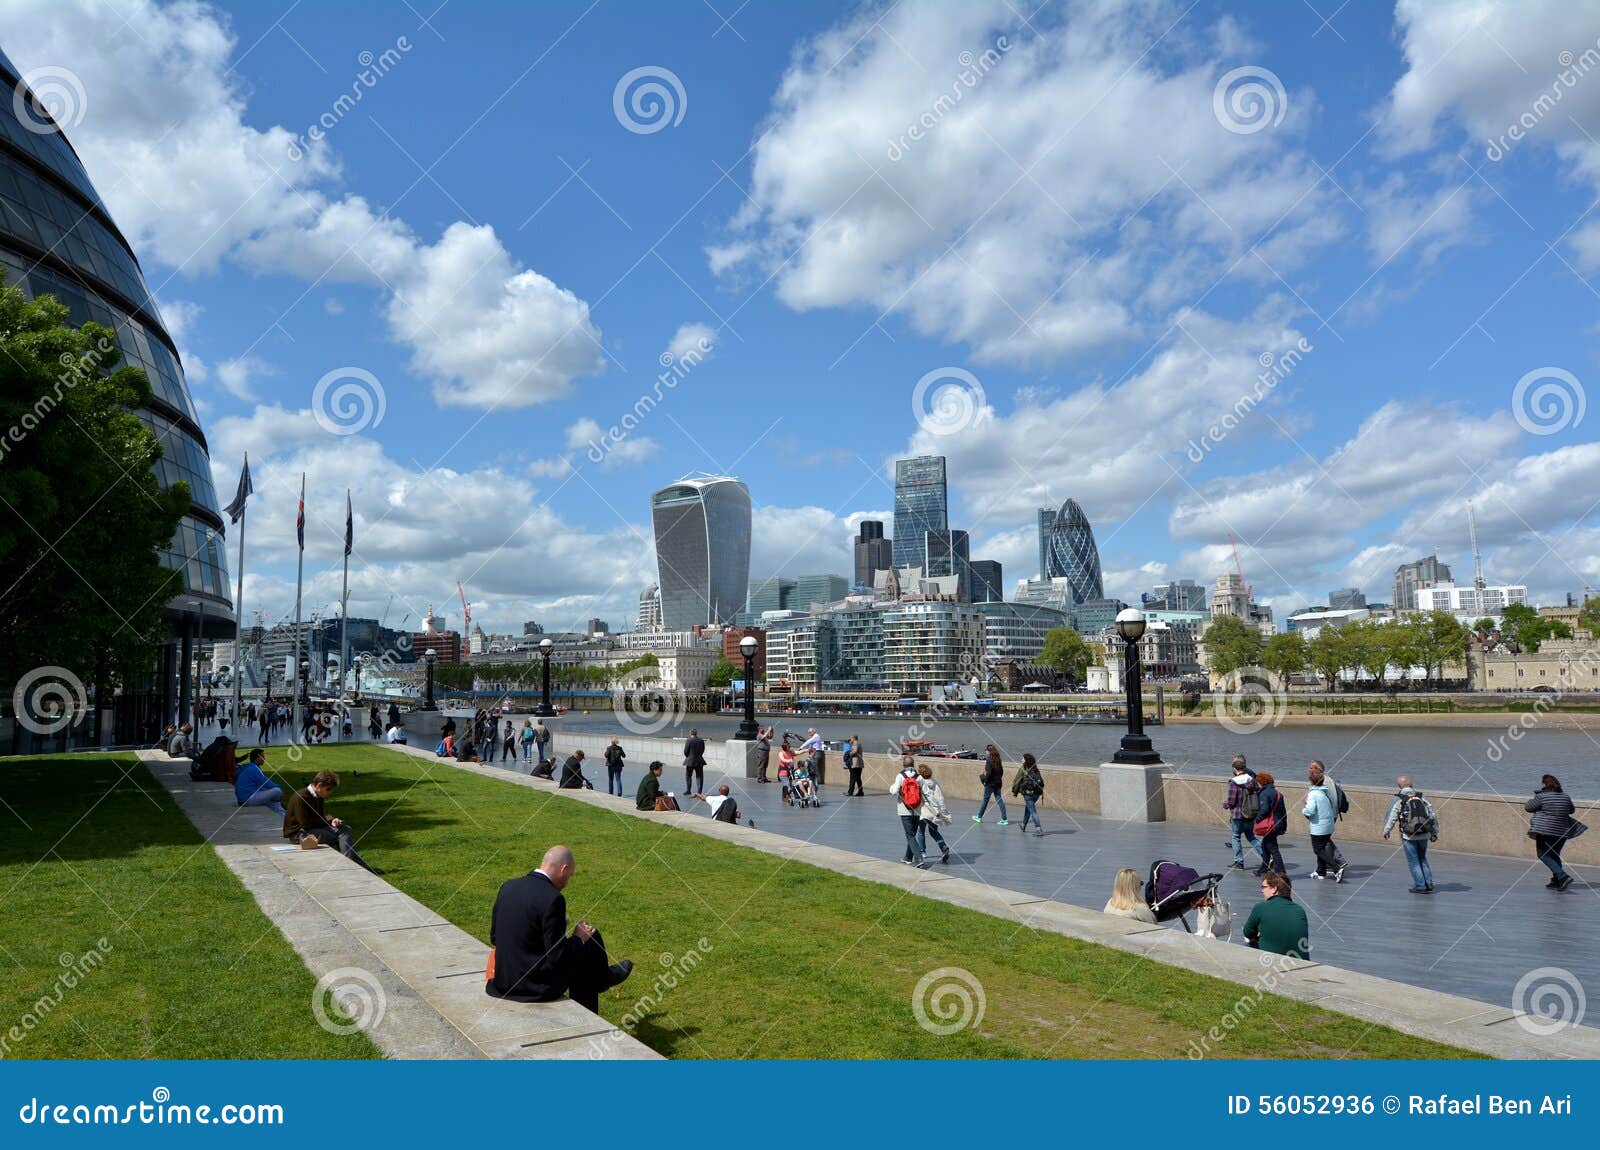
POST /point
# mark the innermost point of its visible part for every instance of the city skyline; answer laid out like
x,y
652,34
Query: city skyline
x,y
1341,364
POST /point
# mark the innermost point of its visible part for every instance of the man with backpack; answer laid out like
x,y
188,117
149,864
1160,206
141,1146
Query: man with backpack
x,y
1243,805
1325,804
1419,826
907,791
614,758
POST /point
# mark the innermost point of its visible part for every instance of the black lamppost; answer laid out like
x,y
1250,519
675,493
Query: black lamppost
x,y
428,658
545,710
748,731
1136,746
305,682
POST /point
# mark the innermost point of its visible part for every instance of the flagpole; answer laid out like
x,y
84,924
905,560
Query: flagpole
x,y
299,571
238,613
344,612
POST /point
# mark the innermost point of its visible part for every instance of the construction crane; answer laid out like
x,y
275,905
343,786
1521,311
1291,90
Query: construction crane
x,y
1250,592
466,612
386,607
1477,557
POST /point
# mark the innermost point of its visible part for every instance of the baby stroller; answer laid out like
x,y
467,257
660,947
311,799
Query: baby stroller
x,y
801,789
1174,890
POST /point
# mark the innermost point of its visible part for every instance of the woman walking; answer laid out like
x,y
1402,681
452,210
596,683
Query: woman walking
x,y
1270,823
933,811
1029,784
853,764
993,777
1551,827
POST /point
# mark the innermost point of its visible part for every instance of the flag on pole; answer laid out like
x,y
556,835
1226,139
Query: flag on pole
x,y
300,520
349,523
236,509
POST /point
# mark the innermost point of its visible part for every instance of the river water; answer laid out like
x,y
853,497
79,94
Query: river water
x,y
1440,759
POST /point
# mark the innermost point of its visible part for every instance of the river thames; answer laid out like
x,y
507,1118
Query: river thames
x,y
1442,759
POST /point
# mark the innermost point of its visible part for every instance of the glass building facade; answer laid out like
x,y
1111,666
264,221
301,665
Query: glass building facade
x,y
1067,551
702,530
56,238
987,579
1017,630
873,552
921,505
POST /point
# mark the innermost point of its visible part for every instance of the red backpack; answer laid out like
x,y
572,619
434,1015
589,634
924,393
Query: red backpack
x,y
910,791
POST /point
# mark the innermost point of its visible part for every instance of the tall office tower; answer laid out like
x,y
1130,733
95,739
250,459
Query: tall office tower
x,y
813,590
773,594
1409,578
702,529
988,581
57,239
1346,599
949,555
873,553
1067,551
921,505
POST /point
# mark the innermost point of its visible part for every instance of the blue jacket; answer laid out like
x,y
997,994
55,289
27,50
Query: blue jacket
x,y
248,781
1321,809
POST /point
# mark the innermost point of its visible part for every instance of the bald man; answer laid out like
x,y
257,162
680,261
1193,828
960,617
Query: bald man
x,y
535,960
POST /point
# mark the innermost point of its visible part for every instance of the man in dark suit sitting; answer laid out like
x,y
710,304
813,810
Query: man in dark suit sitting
x,y
535,960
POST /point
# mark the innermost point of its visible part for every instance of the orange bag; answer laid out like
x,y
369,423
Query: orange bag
x,y
488,974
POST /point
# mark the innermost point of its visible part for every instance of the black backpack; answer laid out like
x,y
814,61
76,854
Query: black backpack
x,y
1340,801
1249,801
1415,822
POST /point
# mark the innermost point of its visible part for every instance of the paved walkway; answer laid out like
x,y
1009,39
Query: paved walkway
x,y
356,932
1490,921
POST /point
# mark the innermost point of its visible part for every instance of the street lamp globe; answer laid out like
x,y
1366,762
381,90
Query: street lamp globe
x,y
1131,624
747,646
545,645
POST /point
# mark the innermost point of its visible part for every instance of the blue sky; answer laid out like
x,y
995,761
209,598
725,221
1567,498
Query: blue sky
x,y
1087,224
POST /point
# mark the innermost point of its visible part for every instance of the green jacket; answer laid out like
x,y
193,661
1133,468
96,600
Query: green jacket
x,y
1279,926
1030,783
649,790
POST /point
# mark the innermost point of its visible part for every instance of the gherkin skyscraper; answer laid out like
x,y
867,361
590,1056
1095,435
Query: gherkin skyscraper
x,y
1067,551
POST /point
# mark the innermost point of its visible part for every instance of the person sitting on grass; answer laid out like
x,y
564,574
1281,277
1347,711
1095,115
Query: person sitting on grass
x,y
533,958
649,791
1127,898
252,787
306,823
1277,924
466,749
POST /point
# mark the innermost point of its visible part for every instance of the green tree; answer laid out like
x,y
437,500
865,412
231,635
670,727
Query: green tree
x,y
1589,616
722,674
1484,626
1441,638
1329,654
82,516
1398,641
1284,654
1231,645
1366,649
1069,653
1529,628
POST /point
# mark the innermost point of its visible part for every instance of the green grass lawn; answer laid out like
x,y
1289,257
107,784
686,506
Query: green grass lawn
x,y
800,962
94,849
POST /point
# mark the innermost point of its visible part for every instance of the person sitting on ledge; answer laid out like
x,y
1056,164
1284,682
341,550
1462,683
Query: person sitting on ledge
x,y
723,807
533,958
572,774
1277,924
649,788
306,823
1127,898
252,787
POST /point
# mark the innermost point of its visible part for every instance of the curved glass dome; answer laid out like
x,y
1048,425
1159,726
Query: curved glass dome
x,y
56,239
1067,551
